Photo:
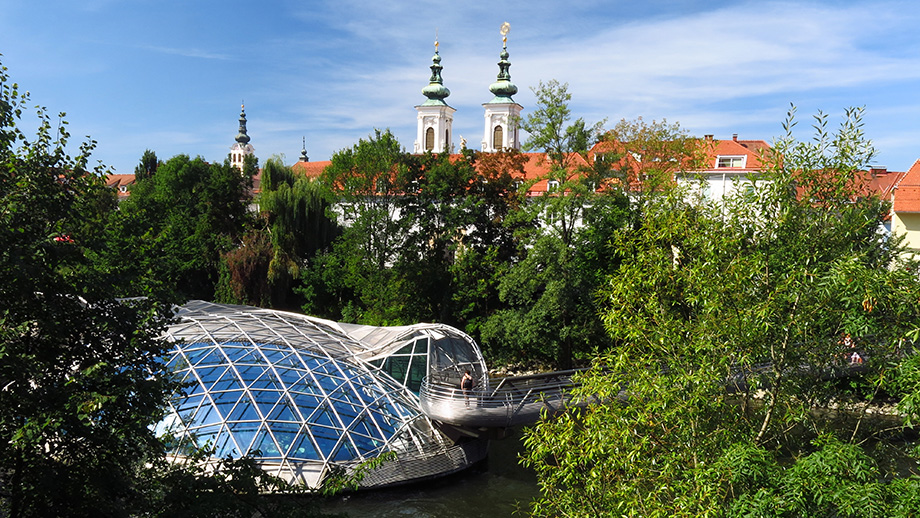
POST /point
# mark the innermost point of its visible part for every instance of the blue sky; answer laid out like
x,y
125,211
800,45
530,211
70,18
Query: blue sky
x,y
169,75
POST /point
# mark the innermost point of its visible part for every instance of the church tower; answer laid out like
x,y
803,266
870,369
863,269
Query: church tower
x,y
242,147
502,113
303,151
435,117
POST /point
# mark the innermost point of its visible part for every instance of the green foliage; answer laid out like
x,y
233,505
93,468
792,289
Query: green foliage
x,y
244,272
206,488
548,129
550,314
416,229
147,167
263,269
733,322
367,180
168,235
81,372
77,393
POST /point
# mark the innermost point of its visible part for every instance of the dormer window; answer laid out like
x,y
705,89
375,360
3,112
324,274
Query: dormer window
x,y
552,185
730,161
122,188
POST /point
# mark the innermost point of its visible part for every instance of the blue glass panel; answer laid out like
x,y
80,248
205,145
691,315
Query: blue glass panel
x,y
206,415
268,380
326,439
228,381
212,358
290,376
267,396
243,433
346,452
244,411
274,355
384,422
209,375
225,406
346,412
285,427
304,403
190,387
321,416
365,445
282,412
365,428
250,372
305,384
285,438
328,384
291,360
206,439
311,362
235,353
347,396
193,355
252,356
224,446
189,403
265,444
303,449
328,367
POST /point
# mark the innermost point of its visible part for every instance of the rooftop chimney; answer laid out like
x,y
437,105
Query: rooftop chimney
x,y
735,137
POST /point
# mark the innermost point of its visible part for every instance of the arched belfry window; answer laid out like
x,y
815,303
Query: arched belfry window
x,y
497,138
429,139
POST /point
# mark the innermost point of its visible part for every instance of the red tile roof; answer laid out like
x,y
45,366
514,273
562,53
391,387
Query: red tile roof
x,y
311,169
906,191
117,181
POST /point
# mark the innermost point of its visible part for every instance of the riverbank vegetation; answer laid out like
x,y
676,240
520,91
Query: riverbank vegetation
x,y
787,290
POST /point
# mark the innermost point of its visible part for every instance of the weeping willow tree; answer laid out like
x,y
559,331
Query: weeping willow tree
x,y
294,226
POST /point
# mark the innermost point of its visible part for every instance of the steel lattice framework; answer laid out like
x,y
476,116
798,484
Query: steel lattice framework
x,y
293,391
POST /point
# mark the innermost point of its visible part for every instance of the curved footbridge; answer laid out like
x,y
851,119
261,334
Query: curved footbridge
x,y
501,403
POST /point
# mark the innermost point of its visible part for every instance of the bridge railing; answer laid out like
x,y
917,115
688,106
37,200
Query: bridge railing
x,y
504,402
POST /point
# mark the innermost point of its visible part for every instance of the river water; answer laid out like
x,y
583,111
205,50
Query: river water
x,y
497,488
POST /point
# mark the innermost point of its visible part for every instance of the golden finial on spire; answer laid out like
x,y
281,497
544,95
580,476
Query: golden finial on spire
x,y
436,40
506,27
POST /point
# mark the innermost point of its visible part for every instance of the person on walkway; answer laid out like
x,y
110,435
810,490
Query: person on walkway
x,y
466,385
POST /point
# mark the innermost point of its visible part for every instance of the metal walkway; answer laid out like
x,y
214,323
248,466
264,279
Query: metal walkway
x,y
519,400
503,403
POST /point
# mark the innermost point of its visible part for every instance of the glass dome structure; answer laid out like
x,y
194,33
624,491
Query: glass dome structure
x,y
304,395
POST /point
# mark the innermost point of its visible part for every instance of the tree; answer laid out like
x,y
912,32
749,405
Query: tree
x,y
488,244
551,316
294,227
79,377
82,382
147,167
168,235
643,159
367,181
734,327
